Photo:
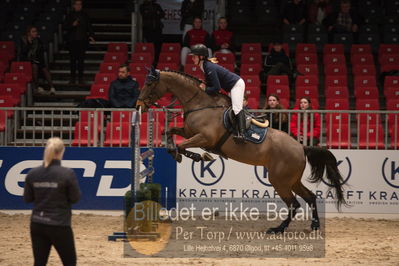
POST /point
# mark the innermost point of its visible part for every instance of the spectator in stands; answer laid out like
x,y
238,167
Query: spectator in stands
x,y
222,38
294,13
297,127
190,9
345,20
79,33
197,35
277,120
30,48
318,10
218,77
52,189
278,63
124,91
152,13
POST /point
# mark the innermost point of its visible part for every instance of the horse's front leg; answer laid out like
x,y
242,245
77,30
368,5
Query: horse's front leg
x,y
170,143
197,141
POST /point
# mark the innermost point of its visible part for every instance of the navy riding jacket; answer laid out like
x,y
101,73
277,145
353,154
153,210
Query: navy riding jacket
x,y
218,77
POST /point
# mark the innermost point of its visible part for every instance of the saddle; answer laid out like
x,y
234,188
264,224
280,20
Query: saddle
x,y
256,126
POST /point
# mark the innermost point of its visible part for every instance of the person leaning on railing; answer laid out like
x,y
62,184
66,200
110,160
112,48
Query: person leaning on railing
x,y
297,127
277,120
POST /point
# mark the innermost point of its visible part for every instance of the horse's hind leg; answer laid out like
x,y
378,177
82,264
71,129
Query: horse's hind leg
x,y
285,193
310,199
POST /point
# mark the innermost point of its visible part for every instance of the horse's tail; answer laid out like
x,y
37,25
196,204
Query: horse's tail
x,y
320,159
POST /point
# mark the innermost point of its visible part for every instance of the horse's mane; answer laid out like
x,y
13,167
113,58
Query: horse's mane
x,y
220,98
188,76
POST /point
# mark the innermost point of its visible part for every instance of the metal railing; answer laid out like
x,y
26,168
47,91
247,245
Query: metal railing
x,y
32,126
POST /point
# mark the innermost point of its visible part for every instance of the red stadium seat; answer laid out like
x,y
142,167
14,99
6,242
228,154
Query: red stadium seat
x,y
362,81
228,58
117,47
83,132
369,105
117,134
362,59
389,62
253,103
144,47
389,93
251,80
171,47
115,57
307,81
337,104
138,68
337,93
104,78
250,69
22,67
364,70
385,49
109,68
336,49
361,49
98,91
7,50
17,78
331,70
194,70
251,48
145,58
277,80
251,59
336,81
169,58
168,66
140,78
12,90
306,48
253,92
307,91
306,59
371,136
391,81
157,134
282,91
7,101
336,59
338,136
362,92
91,117
308,70
121,117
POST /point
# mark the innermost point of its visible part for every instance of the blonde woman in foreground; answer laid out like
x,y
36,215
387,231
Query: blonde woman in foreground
x,y
52,189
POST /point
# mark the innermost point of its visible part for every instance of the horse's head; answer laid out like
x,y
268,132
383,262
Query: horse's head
x,y
152,91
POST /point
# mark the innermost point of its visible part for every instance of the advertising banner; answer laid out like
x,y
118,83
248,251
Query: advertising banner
x,y
104,175
173,18
371,181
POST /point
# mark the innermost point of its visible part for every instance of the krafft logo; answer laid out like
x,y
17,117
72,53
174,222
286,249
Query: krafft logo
x,y
208,173
390,172
262,176
345,168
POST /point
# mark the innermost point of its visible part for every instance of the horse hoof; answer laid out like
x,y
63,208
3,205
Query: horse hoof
x,y
207,157
275,230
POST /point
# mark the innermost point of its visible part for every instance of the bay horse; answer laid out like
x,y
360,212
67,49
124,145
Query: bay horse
x,y
282,155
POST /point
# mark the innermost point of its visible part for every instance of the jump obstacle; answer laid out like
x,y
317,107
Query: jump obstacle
x,y
137,175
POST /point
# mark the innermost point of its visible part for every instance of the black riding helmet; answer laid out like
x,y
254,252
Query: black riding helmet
x,y
200,50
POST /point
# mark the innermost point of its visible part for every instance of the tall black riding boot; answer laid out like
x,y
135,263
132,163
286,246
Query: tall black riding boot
x,y
241,127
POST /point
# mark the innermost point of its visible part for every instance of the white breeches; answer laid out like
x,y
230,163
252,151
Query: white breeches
x,y
237,96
